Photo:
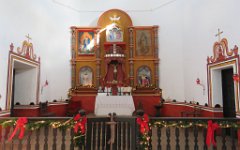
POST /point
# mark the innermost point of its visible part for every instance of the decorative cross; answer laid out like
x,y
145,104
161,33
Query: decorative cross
x,y
218,34
28,37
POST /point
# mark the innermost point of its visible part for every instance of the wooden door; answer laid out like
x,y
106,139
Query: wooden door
x,y
228,93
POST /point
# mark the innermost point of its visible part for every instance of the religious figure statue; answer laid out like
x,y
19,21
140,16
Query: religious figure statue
x,y
115,72
86,80
144,81
86,76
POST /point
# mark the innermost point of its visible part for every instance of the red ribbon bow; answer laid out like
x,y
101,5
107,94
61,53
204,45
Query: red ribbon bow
x,y
210,133
20,125
143,122
80,123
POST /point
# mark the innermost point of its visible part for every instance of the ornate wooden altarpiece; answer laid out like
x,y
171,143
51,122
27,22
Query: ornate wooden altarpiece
x,y
113,54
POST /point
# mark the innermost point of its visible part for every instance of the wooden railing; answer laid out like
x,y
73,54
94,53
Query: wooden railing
x,y
122,133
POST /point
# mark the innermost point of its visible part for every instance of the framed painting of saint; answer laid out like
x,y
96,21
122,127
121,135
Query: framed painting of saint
x,y
86,76
114,34
86,42
143,42
144,76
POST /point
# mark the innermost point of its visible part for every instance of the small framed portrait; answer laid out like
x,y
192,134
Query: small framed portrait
x,y
86,42
143,42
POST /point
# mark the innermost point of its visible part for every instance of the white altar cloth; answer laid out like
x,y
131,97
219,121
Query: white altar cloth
x,y
121,105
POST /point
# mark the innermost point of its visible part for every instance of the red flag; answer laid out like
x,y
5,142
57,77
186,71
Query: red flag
x,y
45,84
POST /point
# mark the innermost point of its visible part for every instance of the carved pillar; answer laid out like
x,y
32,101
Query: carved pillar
x,y
156,62
98,59
155,41
73,60
131,71
73,73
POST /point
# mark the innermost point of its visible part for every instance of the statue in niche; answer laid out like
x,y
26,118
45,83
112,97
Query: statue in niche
x,y
144,76
86,76
144,80
115,72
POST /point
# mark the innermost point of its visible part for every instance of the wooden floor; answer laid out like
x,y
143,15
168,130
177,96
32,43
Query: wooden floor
x,y
14,145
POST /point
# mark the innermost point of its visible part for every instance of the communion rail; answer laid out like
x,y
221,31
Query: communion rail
x,y
121,133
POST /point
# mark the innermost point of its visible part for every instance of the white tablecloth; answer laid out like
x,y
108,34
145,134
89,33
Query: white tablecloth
x,y
121,105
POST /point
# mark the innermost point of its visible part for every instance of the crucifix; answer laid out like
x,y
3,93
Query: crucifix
x,y
218,35
28,37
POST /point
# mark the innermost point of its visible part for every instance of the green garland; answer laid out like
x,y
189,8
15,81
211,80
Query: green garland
x,y
188,124
143,138
78,137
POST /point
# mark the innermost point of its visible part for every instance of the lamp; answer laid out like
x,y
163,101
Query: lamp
x,y
202,85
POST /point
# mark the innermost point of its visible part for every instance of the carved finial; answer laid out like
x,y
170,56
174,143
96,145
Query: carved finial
x,y
28,37
218,35
11,47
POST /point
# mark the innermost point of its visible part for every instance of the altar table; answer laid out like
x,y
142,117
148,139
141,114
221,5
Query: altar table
x,y
121,105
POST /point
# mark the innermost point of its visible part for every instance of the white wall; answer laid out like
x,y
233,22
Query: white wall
x,y
169,19
25,86
201,22
186,36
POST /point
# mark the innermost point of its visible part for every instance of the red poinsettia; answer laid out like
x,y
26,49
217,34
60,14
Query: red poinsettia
x,y
80,123
143,123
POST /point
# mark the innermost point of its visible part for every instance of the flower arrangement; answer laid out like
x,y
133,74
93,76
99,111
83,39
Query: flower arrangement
x,y
144,128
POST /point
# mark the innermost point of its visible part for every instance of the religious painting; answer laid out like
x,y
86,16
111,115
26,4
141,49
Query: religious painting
x,y
143,43
86,76
86,43
144,76
114,34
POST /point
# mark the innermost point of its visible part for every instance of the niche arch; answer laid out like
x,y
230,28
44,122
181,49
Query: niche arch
x,y
222,59
23,79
